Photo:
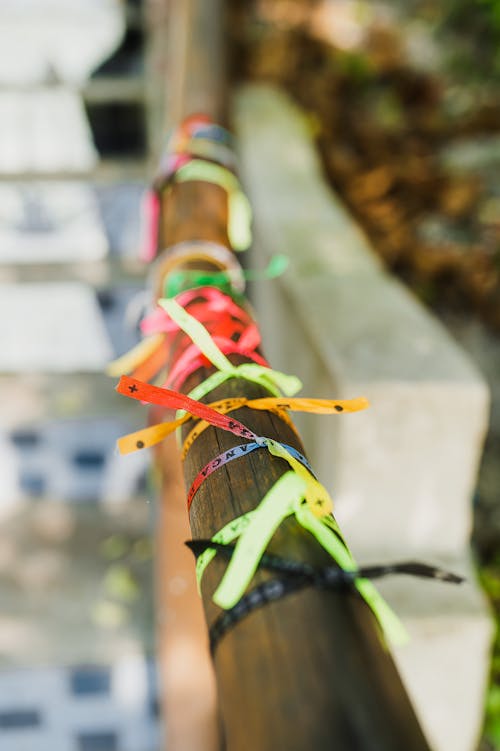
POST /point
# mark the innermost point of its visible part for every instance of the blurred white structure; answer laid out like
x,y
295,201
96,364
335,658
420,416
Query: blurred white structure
x,y
55,222
51,328
401,473
65,39
44,130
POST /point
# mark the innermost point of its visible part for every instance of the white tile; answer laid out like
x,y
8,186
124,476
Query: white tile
x,y
66,37
50,223
44,131
51,328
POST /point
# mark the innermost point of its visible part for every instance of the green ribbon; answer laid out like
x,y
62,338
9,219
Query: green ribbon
x,y
273,380
254,531
178,281
239,209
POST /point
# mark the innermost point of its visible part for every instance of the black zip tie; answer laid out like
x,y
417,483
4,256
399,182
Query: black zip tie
x,y
298,575
329,574
262,594
268,560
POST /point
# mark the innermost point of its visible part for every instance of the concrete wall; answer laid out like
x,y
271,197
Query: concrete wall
x,y
402,472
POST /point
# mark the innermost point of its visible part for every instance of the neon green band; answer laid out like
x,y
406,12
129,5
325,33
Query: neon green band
x,y
256,528
239,209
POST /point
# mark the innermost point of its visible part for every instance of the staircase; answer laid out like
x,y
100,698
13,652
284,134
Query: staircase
x,y
76,623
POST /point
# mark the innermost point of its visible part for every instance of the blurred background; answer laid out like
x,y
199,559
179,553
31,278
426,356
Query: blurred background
x,y
402,99
76,638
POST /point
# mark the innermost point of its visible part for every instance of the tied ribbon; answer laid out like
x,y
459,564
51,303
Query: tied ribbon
x,y
178,281
162,397
191,359
239,210
147,437
235,453
273,380
254,531
194,134
213,305
278,405
150,224
316,495
136,356
229,319
198,251
209,130
197,126
197,147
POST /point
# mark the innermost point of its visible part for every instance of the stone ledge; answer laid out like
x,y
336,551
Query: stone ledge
x,y
401,473
443,665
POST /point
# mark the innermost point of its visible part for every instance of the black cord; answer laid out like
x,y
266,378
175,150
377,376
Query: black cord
x,y
297,575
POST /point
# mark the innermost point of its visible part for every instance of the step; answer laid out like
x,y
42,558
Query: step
x,y
57,230
45,223
44,131
60,39
107,707
401,473
51,328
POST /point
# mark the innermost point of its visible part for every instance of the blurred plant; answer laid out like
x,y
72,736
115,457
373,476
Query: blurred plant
x,y
121,584
475,27
490,580
114,546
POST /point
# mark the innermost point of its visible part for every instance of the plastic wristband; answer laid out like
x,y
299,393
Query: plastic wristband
x,y
212,131
272,380
147,437
255,530
235,453
162,397
201,250
239,209
191,360
154,364
271,404
205,148
178,281
132,359
150,436
316,495
150,223
213,304
197,126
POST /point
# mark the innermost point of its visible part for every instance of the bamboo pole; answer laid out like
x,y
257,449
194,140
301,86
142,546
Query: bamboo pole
x,y
308,671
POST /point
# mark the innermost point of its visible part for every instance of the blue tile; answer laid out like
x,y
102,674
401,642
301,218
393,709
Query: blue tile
x,y
89,459
89,681
24,438
32,483
107,741
19,719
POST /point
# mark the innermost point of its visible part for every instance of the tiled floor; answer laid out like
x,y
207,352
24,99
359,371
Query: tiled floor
x,y
77,669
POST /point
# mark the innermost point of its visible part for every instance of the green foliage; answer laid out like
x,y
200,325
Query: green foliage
x,y
493,9
475,27
490,580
